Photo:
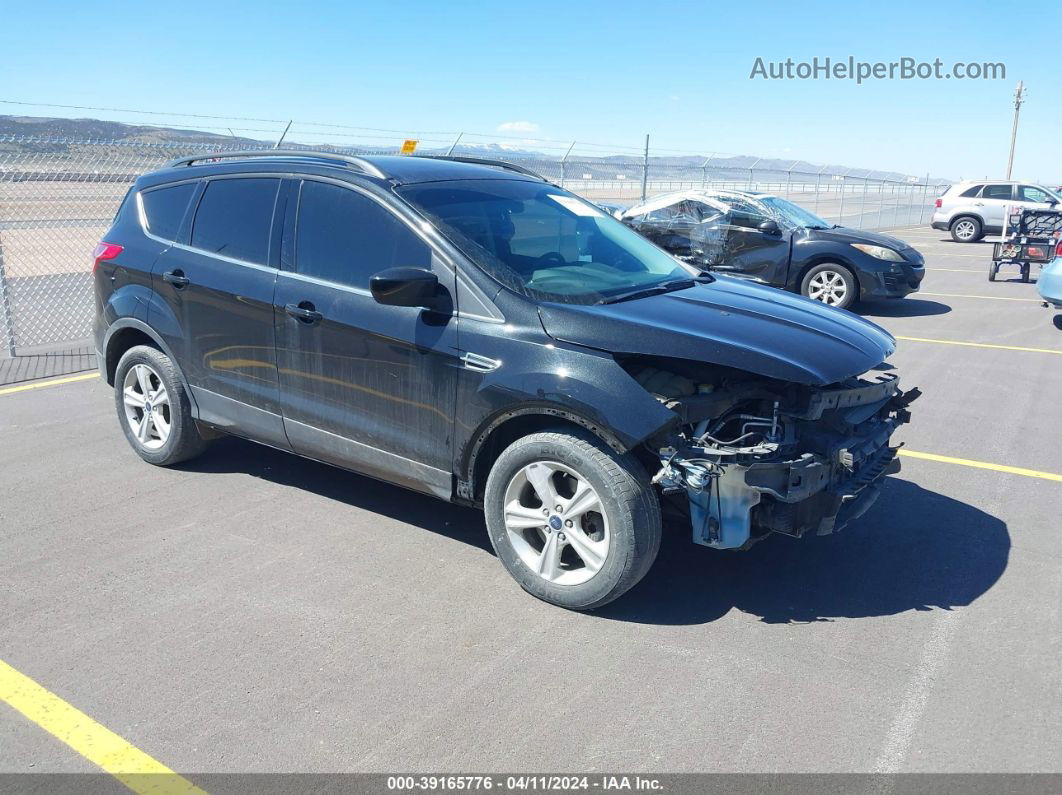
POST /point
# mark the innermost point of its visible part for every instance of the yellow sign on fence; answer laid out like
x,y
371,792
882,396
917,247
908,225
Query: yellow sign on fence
x,y
409,146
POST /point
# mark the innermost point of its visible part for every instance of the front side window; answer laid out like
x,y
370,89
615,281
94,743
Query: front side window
x,y
345,237
164,209
1004,192
235,217
543,242
1030,193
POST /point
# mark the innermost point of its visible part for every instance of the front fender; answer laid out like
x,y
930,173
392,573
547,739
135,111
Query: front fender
x,y
578,384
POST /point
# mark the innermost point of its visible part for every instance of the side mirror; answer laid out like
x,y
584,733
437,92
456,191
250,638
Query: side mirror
x,y
770,228
406,287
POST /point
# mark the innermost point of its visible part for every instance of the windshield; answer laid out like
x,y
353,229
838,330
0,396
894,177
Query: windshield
x,y
793,214
542,241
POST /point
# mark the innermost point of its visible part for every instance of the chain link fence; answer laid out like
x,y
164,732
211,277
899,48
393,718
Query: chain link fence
x,y
58,196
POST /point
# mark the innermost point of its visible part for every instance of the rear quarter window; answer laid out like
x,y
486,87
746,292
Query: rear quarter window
x,y
971,192
164,209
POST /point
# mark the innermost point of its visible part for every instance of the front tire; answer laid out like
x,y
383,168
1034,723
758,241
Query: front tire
x,y
575,524
154,408
966,230
830,284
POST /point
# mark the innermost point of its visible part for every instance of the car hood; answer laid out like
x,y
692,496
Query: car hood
x,y
842,234
734,323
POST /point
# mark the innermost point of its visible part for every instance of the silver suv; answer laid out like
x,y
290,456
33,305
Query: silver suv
x,y
970,210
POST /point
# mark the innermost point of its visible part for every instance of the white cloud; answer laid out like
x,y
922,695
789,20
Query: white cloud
x,y
518,126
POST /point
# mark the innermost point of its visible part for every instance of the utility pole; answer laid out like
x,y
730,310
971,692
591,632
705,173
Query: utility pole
x,y
1019,97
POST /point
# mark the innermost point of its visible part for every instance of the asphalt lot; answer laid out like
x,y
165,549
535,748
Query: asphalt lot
x,y
252,611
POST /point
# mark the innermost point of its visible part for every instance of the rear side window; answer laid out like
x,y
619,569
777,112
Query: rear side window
x,y
1004,192
164,209
346,237
235,217
970,192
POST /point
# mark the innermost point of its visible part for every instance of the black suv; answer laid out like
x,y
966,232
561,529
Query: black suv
x,y
468,330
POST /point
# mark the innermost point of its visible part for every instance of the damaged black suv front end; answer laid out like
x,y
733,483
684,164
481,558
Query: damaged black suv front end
x,y
753,456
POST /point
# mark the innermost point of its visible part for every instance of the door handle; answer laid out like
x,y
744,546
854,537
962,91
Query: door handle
x,y
979,204
176,278
304,312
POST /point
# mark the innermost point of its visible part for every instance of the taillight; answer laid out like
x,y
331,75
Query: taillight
x,y
104,252
1058,251
940,203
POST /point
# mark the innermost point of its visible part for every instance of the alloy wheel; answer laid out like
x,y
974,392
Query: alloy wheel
x,y
828,287
147,406
965,230
556,523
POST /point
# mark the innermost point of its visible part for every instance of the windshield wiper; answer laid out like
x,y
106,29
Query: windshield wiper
x,y
656,289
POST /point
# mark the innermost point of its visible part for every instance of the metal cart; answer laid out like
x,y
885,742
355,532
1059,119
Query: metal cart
x,y
1029,237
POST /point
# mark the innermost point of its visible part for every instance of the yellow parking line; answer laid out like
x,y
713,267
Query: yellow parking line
x,y
966,462
990,297
980,345
131,766
41,384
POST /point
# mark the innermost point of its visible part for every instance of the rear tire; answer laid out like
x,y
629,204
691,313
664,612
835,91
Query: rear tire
x,y
993,269
154,408
966,230
603,539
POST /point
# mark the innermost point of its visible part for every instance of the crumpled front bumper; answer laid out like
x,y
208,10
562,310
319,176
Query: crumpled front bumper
x,y
814,492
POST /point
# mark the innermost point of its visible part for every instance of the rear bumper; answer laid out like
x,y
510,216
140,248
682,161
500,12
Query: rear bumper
x,y
941,225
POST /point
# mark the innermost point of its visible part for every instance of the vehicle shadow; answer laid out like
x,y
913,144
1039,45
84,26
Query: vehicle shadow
x,y
903,307
231,454
913,550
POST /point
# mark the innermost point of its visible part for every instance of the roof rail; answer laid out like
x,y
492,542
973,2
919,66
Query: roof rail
x,y
358,162
482,161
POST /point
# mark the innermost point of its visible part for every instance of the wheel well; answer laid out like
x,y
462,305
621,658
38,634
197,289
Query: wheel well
x,y
509,430
825,259
121,341
971,216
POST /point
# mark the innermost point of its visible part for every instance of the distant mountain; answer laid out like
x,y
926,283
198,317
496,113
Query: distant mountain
x,y
83,136
98,130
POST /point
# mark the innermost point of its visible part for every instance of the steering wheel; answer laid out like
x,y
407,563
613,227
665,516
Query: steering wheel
x,y
551,256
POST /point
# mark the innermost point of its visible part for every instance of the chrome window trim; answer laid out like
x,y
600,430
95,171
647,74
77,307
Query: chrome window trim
x,y
223,257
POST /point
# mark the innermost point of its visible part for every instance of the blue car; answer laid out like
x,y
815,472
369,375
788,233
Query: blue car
x,y
1050,282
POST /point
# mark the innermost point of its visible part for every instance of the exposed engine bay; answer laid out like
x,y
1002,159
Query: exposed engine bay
x,y
752,455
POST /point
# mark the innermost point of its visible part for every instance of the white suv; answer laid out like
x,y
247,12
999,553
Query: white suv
x,y
970,210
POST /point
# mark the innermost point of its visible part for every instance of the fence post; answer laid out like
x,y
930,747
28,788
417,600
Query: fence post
x,y
6,323
881,201
564,164
704,171
453,146
925,198
645,167
751,168
818,188
840,210
863,204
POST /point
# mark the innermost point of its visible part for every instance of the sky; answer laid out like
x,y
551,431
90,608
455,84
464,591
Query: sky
x,y
598,73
